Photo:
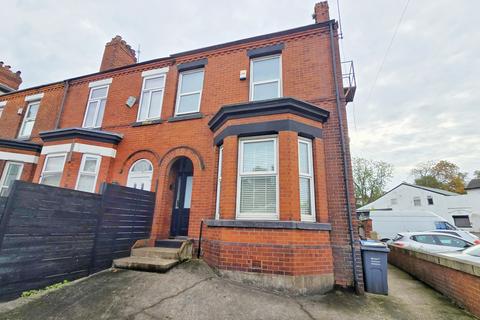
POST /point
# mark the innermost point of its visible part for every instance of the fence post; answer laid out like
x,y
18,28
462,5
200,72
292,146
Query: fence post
x,y
93,260
7,211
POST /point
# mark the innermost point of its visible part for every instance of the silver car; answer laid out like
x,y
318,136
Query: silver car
x,y
470,255
433,242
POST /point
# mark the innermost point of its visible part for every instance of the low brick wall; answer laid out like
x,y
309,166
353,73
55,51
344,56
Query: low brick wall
x,y
458,280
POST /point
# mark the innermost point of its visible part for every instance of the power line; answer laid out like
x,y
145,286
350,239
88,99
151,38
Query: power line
x,y
387,51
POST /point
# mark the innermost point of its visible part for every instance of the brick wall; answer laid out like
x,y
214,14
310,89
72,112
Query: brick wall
x,y
460,281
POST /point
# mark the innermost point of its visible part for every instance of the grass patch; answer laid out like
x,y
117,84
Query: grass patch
x,y
30,293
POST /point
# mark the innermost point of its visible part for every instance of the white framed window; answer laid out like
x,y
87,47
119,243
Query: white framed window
x,y
11,172
266,78
430,200
140,175
1,111
29,120
2,106
257,188
189,94
95,107
53,169
307,183
151,100
219,182
88,172
417,202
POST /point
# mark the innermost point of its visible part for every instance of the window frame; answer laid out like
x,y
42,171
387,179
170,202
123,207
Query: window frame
x,y
240,174
179,89
150,91
430,199
219,182
137,175
2,109
98,100
461,216
310,177
25,120
252,72
4,175
82,172
419,201
48,156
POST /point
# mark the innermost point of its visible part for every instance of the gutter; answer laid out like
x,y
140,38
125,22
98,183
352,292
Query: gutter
x,y
344,159
62,105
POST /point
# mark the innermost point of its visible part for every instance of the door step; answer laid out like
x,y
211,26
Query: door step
x,y
145,264
169,243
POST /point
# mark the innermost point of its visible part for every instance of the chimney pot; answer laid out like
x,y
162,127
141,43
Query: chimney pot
x,y
321,13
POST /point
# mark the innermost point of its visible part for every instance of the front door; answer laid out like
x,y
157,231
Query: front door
x,y
182,200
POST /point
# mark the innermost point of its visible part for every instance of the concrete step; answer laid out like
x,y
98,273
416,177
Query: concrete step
x,y
152,252
145,264
169,243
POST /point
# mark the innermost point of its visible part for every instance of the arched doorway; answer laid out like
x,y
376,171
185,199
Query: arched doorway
x,y
140,175
182,169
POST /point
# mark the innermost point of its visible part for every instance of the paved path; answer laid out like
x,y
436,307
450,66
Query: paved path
x,y
192,291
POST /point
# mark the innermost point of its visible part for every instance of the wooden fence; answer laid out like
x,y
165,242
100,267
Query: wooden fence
x,y
50,234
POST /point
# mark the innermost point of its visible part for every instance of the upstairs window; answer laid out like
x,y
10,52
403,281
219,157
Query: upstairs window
x,y
53,169
29,120
266,78
152,98
429,200
417,202
189,94
258,179
307,190
88,173
95,107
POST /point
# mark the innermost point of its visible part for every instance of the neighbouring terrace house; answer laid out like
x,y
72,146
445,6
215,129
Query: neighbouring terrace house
x,y
248,136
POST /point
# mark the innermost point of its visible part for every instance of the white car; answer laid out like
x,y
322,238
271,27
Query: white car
x,y
433,242
465,235
471,254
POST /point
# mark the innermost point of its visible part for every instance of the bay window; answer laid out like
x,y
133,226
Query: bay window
x,y
257,190
219,183
266,78
189,94
307,189
53,169
88,173
95,107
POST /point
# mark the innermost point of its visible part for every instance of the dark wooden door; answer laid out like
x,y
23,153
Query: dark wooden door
x,y
182,200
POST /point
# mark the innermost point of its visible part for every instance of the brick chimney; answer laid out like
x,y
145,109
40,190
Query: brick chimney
x,y
117,54
320,13
9,80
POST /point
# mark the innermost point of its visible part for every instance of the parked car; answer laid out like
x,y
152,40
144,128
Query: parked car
x,y
465,235
388,223
433,242
471,254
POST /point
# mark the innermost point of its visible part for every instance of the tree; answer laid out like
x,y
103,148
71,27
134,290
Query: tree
x,y
370,178
443,175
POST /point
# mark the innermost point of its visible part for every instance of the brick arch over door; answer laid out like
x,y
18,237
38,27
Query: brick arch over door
x,y
163,207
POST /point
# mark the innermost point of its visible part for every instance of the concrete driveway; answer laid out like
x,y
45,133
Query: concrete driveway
x,y
193,291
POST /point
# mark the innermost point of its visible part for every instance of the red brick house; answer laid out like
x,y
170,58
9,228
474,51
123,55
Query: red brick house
x,y
249,137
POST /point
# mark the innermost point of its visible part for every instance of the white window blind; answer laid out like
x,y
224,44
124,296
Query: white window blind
x,y
29,119
307,185
88,173
95,107
189,92
266,78
258,179
152,98
53,169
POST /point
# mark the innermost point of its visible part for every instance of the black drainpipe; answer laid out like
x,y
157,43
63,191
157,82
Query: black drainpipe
x,y
65,90
344,158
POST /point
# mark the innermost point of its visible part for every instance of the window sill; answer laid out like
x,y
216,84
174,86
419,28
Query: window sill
x,y
146,123
189,116
264,224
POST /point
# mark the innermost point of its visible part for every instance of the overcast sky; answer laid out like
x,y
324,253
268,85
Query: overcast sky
x,y
423,105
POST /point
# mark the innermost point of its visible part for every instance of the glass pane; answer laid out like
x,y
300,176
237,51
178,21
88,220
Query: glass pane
x,y
98,123
305,200
142,166
27,128
54,163
192,82
258,195
52,179
32,111
90,165
258,156
1,111
144,107
189,103
264,70
303,158
179,189
154,83
98,93
86,183
12,174
89,118
265,91
188,193
155,104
